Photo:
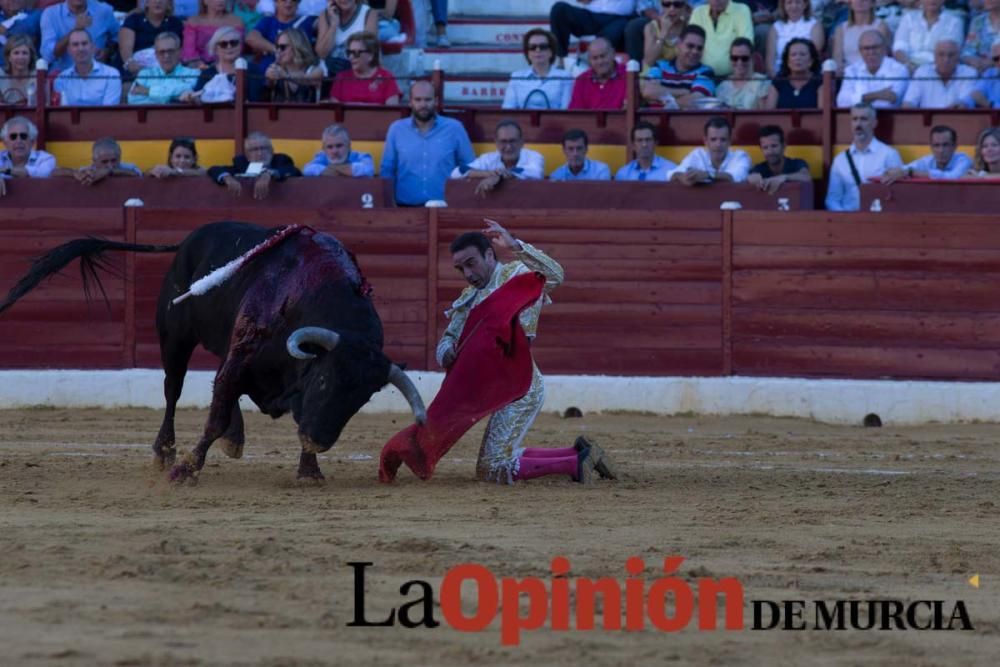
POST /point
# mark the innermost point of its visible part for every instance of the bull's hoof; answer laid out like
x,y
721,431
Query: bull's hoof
x,y
233,450
164,458
183,472
310,478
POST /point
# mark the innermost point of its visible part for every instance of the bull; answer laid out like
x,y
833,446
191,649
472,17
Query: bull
x,y
295,329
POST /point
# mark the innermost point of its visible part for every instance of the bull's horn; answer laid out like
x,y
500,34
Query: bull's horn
x,y
402,382
325,338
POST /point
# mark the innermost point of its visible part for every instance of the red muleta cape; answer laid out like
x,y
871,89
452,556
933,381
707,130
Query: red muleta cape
x,y
493,369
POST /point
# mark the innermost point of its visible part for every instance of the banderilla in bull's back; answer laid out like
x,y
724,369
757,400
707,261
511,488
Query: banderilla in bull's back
x,y
288,312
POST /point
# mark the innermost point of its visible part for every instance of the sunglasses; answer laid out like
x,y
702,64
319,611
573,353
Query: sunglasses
x,y
739,59
676,5
356,53
282,47
538,47
228,44
14,136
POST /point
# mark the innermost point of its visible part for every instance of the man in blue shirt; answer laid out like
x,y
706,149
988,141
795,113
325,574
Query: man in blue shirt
x,y
87,82
168,81
421,151
647,165
943,162
337,158
578,167
97,18
986,91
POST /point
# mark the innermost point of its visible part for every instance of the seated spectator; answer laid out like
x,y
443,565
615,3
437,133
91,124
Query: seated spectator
x,y
106,162
942,85
799,84
987,163
776,169
866,158
716,161
984,31
335,26
258,162
297,74
421,151
680,83
202,27
58,21
795,20
17,18
542,85
168,80
986,91
944,162
217,82
723,21
661,35
366,82
647,165
139,32
18,84
877,80
860,18
248,11
920,29
389,27
603,85
182,160
744,89
263,39
604,18
510,160
578,167
19,157
337,159
87,82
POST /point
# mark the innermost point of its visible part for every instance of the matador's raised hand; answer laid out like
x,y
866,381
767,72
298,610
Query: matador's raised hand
x,y
497,234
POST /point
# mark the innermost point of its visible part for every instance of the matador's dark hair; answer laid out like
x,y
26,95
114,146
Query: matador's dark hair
x,y
476,240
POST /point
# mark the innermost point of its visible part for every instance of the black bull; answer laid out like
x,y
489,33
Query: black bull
x,y
295,329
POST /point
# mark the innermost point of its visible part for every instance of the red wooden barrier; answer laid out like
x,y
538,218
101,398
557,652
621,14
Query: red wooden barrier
x,y
926,196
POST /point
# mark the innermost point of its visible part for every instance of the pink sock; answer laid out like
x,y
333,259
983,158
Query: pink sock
x,y
531,467
545,452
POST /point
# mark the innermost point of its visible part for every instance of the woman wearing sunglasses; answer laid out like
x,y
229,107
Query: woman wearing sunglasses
x,y
199,30
542,85
744,89
296,75
660,35
217,82
366,82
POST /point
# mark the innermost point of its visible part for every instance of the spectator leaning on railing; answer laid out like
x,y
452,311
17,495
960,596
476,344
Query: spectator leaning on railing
x,y
168,80
58,21
182,160
647,165
681,82
87,82
864,159
105,162
19,157
943,84
511,160
336,157
603,85
18,84
421,151
542,85
943,162
986,92
366,82
776,169
717,161
258,162
579,167
877,80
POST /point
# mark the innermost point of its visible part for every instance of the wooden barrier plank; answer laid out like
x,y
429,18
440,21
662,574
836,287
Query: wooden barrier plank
x,y
861,230
453,221
873,258
628,361
601,338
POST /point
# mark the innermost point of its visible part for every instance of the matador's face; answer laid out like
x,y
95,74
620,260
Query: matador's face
x,y
475,267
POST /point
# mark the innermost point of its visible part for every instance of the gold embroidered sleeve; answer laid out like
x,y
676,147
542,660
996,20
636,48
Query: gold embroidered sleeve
x,y
536,260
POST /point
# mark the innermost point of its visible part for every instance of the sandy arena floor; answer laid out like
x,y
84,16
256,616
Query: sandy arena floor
x,y
102,562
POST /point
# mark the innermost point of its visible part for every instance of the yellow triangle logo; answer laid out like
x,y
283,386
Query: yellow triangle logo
x,y
974,581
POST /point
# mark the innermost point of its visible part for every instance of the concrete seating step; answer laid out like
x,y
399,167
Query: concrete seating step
x,y
516,8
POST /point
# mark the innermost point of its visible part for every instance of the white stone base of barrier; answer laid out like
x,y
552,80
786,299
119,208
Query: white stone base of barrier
x,y
833,401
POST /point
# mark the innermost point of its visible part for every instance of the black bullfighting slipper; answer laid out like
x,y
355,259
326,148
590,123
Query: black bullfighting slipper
x,y
602,464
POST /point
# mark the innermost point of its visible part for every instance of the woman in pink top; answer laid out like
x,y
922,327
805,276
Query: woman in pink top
x,y
198,30
365,82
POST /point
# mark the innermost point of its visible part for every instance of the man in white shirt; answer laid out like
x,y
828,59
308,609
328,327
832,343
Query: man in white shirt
x,y
716,161
876,79
509,160
647,165
865,158
604,18
943,162
915,38
578,167
943,84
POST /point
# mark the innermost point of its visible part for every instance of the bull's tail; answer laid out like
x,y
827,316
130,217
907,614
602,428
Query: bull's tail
x,y
90,251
